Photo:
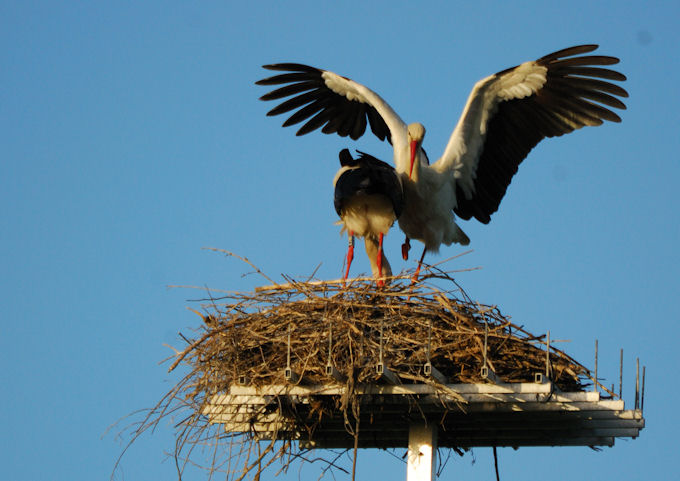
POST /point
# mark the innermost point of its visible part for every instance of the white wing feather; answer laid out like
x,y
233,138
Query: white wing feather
x,y
462,153
357,92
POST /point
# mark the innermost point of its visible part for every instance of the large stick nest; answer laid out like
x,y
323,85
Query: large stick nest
x,y
251,337
305,326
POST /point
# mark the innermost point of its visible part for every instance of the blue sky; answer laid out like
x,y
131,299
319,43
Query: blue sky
x,y
131,137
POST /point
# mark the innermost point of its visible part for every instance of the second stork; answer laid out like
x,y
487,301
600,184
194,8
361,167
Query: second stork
x,y
368,198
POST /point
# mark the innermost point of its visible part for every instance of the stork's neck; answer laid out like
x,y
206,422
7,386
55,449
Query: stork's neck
x,y
402,162
416,174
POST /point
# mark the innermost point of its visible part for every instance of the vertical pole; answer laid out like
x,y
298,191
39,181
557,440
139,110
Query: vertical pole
x,y
422,451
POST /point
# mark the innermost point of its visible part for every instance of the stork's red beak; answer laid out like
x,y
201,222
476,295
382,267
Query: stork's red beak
x,y
414,146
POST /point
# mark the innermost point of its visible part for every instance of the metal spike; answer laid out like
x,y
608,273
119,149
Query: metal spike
x,y
288,373
331,370
621,375
429,340
595,381
547,356
486,336
637,382
330,340
485,372
288,349
380,354
428,369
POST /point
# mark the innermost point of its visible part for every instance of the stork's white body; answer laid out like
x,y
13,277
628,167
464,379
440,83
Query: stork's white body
x,y
428,215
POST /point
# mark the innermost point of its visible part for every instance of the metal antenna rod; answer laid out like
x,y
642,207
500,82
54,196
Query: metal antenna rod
x,y
288,373
621,375
547,354
595,383
330,340
429,339
486,335
381,340
637,382
485,372
288,350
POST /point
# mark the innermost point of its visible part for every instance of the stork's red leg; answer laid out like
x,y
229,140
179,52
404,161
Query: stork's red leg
x,y
405,247
420,263
380,282
350,253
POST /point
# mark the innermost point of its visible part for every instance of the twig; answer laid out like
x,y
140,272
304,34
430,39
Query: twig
x,y
244,259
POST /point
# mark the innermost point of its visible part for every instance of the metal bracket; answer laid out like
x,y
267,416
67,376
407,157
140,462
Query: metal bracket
x,y
488,375
290,375
331,371
428,369
380,368
384,372
433,372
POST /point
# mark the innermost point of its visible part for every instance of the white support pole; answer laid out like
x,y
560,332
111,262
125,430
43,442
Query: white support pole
x,y
422,451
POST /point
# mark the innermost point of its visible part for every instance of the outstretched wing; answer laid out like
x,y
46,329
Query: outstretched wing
x,y
331,102
508,113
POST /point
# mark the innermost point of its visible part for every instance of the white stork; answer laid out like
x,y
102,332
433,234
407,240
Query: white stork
x,y
506,115
368,198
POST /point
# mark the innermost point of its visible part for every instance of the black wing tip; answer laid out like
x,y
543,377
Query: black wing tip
x,y
568,54
579,49
620,91
289,67
571,51
285,67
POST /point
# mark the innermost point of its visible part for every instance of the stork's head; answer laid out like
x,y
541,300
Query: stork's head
x,y
416,133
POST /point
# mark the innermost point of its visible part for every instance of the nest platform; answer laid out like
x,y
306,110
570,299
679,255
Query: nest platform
x,y
307,365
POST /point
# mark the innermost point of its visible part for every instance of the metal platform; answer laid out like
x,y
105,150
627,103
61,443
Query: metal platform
x,y
464,415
